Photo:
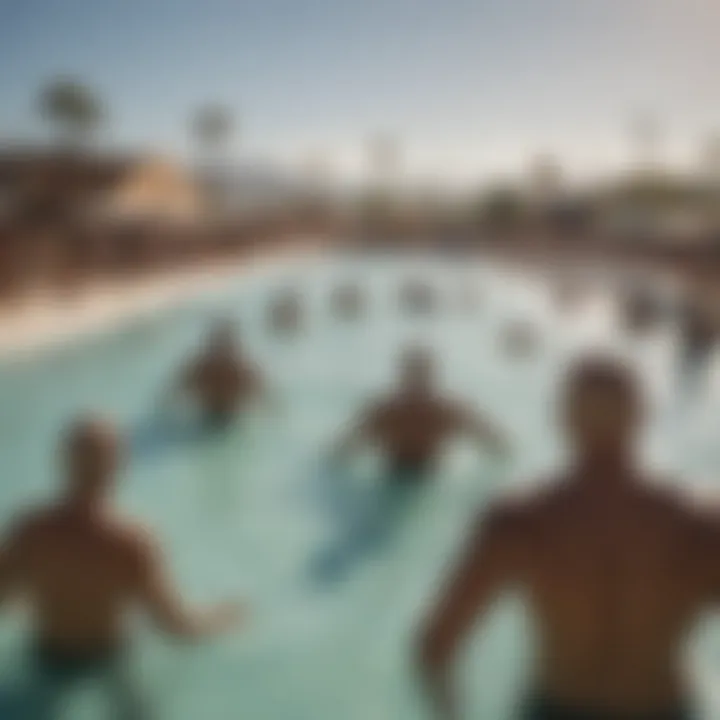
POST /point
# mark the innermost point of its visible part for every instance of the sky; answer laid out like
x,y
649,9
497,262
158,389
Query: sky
x,y
470,87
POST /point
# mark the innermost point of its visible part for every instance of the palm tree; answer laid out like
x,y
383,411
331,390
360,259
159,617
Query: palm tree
x,y
212,127
72,108
380,205
710,161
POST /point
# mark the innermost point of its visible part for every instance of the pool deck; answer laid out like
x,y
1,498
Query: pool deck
x,y
44,319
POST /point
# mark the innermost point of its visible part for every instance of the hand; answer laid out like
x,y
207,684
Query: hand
x,y
226,616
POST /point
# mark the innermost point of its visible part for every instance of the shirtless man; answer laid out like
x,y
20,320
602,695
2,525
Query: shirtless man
x,y
615,571
347,302
417,298
81,568
412,426
221,380
285,313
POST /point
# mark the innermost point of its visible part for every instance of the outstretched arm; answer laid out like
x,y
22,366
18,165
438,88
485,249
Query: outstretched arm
x,y
168,611
358,434
180,386
259,391
11,564
483,431
486,566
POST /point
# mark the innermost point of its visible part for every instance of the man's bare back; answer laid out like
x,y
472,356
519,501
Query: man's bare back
x,y
614,569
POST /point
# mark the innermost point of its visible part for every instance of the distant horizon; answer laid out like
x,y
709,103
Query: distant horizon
x,y
282,169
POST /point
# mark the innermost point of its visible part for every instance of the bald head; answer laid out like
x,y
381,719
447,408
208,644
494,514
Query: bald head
x,y
92,451
602,405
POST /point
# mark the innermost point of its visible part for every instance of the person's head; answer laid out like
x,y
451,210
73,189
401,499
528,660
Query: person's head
x,y
92,454
223,338
416,371
602,408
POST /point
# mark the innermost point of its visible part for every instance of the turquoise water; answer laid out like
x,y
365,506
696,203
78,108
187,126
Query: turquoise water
x,y
239,514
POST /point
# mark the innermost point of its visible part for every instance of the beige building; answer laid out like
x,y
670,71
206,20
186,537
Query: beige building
x,y
154,189
49,187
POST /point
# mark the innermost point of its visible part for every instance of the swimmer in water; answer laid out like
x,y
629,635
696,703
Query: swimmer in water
x,y
614,568
417,298
411,429
347,302
285,314
221,380
412,426
81,568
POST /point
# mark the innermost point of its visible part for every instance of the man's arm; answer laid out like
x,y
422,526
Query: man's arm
x,y
181,385
12,563
363,431
482,430
256,388
487,566
166,608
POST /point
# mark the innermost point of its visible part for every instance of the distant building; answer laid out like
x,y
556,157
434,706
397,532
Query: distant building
x,y
545,182
39,188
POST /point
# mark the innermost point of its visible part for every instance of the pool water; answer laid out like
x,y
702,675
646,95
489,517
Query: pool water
x,y
241,514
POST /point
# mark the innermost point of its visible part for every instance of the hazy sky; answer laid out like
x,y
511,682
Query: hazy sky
x,y
470,86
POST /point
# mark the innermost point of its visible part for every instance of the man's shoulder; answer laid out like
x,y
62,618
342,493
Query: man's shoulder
x,y
678,499
526,505
516,508
453,407
130,536
382,406
35,522
33,528
695,505
534,496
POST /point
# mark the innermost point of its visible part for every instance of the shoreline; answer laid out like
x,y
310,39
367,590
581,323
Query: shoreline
x,y
45,320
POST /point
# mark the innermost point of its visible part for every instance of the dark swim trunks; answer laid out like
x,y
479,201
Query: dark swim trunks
x,y
542,708
217,420
404,470
57,669
64,663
